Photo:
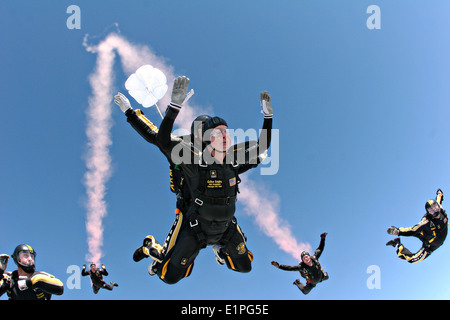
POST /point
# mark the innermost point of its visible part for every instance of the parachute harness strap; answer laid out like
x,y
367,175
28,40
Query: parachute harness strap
x,y
193,222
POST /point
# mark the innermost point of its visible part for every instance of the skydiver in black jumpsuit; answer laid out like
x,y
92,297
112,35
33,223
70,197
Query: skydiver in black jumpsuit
x,y
212,186
26,283
154,249
309,268
96,276
431,230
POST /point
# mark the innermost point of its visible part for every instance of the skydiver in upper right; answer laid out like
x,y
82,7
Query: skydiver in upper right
x,y
431,230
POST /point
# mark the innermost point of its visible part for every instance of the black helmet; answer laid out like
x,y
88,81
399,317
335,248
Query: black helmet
x,y
24,249
200,120
304,253
211,124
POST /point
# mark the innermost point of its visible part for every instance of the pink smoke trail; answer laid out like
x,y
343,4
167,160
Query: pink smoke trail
x,y
98,160
99,123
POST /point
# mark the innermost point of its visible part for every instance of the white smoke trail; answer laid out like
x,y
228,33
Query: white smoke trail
x,y
98,160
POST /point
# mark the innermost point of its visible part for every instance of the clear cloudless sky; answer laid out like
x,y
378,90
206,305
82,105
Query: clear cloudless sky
x,y
363,119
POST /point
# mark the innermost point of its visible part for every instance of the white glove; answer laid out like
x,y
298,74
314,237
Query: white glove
x,y
122,102
179,92
266,106
3,261
24,283
393,231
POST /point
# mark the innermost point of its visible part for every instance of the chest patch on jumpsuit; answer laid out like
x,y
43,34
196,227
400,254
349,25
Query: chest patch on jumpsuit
x,y
213,182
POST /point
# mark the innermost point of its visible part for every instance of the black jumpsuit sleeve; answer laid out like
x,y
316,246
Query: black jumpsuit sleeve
x,y
263,145
104,272
289,268
320,248
417,228
265,137
47,283
163,137
142,125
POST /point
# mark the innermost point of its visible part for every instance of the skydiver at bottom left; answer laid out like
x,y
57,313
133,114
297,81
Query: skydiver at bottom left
x,y
26,283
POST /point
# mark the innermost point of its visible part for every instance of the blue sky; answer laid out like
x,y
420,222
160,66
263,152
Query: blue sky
x,y
362,115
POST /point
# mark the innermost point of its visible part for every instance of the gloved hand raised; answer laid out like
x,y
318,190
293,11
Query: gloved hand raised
x,y
179,91
266,105
122,102
3,261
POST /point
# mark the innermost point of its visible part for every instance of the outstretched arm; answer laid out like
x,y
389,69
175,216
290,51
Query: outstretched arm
x,y
321,246
255,154
179,96
103,270
285,267
142,125
414,229
84,272
137,119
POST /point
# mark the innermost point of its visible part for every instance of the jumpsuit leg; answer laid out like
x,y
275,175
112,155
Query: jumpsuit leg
x,y
404,253
236,254
179,261
305,289
108,286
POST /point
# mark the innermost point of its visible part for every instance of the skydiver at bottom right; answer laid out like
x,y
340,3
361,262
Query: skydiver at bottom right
x,y
431,230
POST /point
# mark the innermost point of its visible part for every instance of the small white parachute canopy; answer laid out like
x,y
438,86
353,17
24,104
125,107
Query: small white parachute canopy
x,y
147,85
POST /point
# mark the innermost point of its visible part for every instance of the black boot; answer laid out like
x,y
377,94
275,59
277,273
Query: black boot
x,y
139,254
394,242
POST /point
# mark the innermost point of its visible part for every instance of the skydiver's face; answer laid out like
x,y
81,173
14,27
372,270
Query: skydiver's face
x,y
434,209
220,138
307,260
93,268
26,258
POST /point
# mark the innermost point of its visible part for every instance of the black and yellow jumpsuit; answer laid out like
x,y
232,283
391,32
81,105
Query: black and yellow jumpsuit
x,y
40,286
430,230
209,214
238,258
